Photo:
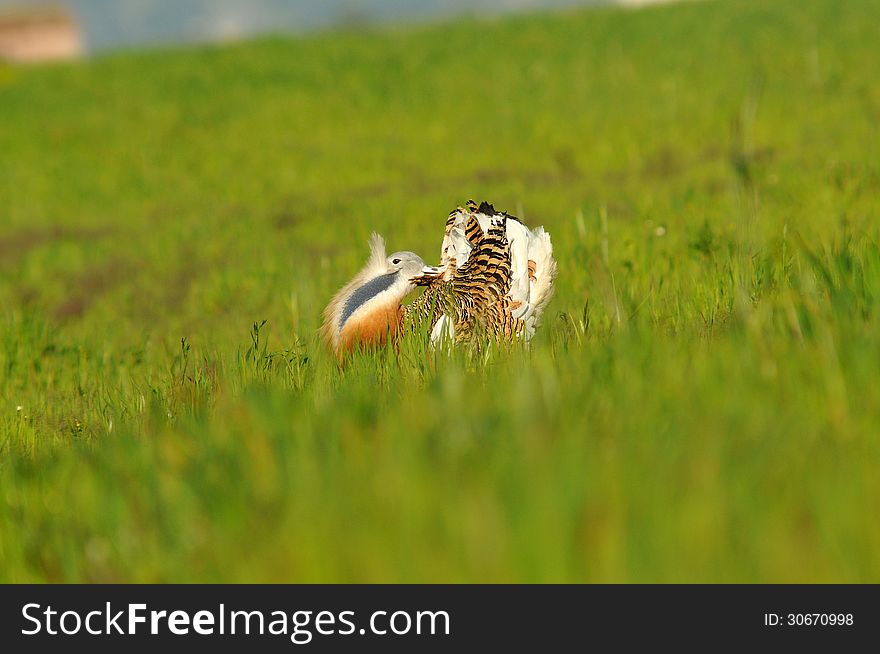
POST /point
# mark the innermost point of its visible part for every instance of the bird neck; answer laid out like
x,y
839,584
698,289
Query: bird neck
x,y
372,328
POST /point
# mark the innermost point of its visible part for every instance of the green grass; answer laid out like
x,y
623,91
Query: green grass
x,y
702,403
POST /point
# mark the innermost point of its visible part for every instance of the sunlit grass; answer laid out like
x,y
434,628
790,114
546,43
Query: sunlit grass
x,y
701,403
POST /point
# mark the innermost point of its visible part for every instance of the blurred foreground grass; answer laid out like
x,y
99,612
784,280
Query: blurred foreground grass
x,y
702,403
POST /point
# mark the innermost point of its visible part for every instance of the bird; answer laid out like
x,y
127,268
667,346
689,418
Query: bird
x,y
495,279
367,310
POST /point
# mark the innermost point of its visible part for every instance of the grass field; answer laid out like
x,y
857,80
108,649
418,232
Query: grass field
x,y
702,403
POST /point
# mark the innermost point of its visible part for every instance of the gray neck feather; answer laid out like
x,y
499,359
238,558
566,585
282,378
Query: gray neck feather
x,y
365,293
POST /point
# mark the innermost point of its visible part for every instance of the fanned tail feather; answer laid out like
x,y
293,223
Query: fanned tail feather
x,y
495,273
541,252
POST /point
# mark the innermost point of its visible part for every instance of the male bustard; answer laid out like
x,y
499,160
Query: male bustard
x,y
495,278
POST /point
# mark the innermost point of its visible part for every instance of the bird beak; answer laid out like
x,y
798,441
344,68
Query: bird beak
x,y
429,274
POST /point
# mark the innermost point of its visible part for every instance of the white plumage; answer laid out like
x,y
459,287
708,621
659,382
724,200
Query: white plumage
x,y
529,251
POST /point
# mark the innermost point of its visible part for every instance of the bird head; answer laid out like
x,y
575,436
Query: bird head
x,y
407,266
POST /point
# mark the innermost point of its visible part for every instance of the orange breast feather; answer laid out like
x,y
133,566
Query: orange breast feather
x,y
370,329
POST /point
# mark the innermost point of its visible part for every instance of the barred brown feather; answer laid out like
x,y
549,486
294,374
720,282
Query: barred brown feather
x,y
474,295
